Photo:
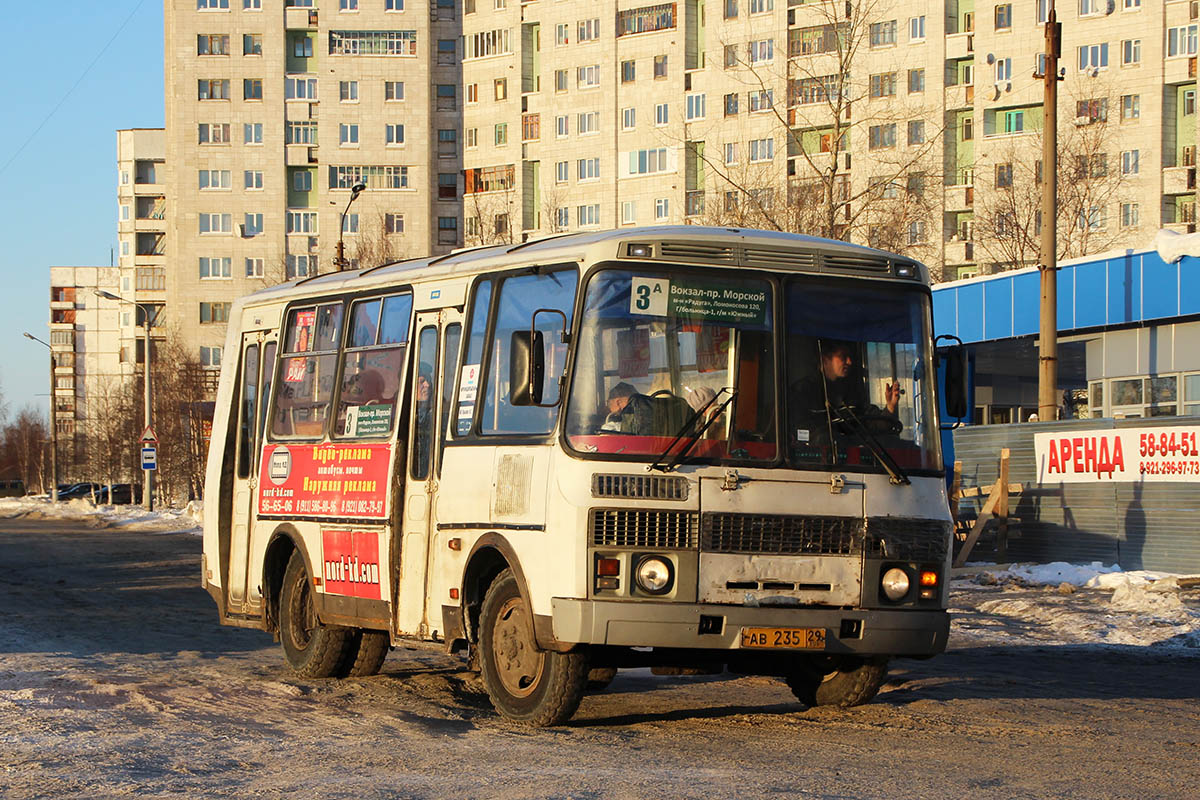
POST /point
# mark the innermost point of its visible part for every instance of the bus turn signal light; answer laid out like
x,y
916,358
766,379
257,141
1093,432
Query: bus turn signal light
x,y
929,578
608,566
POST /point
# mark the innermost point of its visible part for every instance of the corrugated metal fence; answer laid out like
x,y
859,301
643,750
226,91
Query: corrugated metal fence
x,y
1139,526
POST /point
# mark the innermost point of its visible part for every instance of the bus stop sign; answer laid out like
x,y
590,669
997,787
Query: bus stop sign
x,y
149,457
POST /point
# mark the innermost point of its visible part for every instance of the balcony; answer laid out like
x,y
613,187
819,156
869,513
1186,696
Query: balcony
x,y
962,96
1179,180
300,155
300,18
960,197
1179,70
960,45
958,252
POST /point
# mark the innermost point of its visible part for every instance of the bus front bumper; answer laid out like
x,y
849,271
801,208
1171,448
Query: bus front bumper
x,y
712,627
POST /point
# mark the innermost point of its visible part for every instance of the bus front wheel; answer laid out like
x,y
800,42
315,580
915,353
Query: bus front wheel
x,y
367,651
843,681
525,684
312,649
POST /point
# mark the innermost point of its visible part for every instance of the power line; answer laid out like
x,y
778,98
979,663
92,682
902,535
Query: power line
x,y
74,86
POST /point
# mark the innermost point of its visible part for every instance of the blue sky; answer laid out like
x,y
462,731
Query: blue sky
x,y
58,195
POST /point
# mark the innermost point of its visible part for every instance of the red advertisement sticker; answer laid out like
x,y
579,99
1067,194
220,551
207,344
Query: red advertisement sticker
x,y
352,563
325,480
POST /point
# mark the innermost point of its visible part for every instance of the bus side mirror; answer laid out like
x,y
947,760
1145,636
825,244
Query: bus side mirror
x,y
955,376
526,368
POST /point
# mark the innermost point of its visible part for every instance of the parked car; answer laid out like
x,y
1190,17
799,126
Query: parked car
x,y
71,491
122,494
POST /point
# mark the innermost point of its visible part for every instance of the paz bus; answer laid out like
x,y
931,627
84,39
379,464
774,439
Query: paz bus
x,y
684,448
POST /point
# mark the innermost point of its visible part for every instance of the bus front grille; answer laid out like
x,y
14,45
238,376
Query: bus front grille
x,y
642,487
780,534
629,527
907,539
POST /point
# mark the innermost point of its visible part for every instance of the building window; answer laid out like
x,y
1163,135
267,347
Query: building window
x,y
214,312
628,213
588,169
1003,69
648,162
447,230
300,88
350,223
301,132
212,5
213,89
761,6
447,52
1004,16
1129,162
588,77
348,134
628,118
1094,110
1131,52
302,46
395,134
762,51
562,34
302,222
1129,215
662,208
731,152
731,104
215,223
694,107
252,89
254,267
1004,176
1181,41
393,5
883,33
731,58
212,44
501,134
252,179
1087,7
731,9
373,43
881,136
916,232
916,131
628,71
589,122
1091,218
1093,56
210,357
215,179
916,81
348,91
302,181
883,85
300,266
393,91
661,114
916,28
1014,121
589,30
213,267
253,225
762,150
646,19
252,133
393,223
660,67
1131,106
761,100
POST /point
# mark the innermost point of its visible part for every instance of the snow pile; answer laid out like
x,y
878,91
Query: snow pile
x,y
1172,246
1085,604
127,517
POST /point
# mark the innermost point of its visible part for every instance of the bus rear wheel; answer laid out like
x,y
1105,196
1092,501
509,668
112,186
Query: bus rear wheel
x,y
536,687
366,654
842,681
312,649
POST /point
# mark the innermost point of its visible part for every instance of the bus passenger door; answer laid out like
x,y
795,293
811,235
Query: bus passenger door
x,y
246,465
433,366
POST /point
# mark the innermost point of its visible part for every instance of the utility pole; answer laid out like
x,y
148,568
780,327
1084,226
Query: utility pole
x,y
53,420
1048,327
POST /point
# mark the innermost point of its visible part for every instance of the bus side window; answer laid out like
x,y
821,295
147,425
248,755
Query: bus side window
x,y
424,400
450,341
373,367
480,305
268,377
306,387
249,411
520,297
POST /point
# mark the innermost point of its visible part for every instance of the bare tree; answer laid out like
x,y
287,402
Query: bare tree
x,y
493,211
111,429
26,445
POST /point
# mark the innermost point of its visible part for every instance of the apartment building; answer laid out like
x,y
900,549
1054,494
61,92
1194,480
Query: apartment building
x,y
273,112
85,342
141,240
917,126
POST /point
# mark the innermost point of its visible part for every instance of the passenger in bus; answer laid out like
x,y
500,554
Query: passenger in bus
x,y
364,388
423,424
841,385
629,411
697,397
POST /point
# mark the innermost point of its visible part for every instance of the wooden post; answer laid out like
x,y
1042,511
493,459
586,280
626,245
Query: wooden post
x,y
1002,508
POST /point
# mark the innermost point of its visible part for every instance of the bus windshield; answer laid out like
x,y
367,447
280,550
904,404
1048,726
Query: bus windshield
x,y
858,375
655,347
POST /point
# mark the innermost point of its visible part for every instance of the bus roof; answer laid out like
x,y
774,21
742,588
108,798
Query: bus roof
x,y
674,244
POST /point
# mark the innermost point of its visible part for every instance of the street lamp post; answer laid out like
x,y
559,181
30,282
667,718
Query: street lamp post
x,y
148,318
339,260
53,421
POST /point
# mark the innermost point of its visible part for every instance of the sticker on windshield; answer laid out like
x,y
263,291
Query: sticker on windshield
x,y
802,435
649,296
713,302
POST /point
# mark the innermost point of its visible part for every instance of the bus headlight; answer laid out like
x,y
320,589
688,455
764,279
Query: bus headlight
x,y
654,575
895,584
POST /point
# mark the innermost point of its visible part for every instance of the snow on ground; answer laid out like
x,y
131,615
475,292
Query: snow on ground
x,y
1063,603
126,517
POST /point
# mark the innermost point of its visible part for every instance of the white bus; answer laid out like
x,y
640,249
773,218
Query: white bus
x,y
684,448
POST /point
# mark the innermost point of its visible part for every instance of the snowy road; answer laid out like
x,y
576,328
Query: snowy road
x,y
116,681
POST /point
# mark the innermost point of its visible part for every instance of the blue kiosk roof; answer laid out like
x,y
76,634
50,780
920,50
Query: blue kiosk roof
x,y
1109,291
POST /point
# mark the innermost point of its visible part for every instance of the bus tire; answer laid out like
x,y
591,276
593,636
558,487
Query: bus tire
x,y
844,682
536,687
312,649
368,649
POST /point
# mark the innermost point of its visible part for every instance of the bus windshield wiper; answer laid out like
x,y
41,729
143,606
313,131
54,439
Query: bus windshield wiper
x,y
696,434
896,474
